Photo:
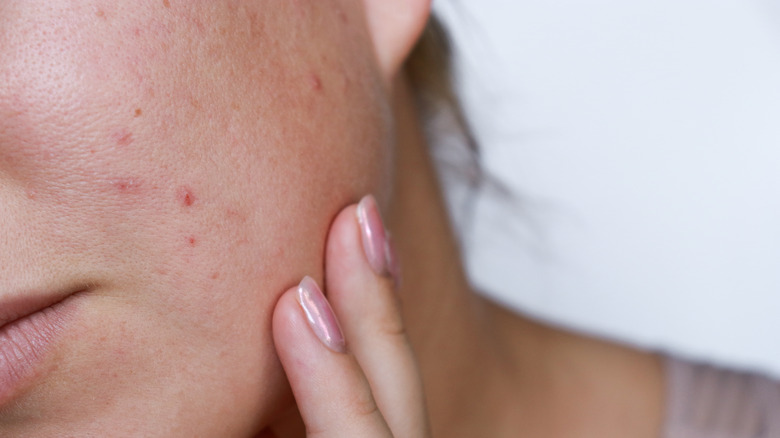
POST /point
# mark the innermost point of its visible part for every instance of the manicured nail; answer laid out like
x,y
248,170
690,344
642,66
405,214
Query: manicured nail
x,y
321,318
373,234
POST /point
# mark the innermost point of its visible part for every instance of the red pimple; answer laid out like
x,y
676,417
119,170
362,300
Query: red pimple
x,y
192,241
214,276
185,196
315,81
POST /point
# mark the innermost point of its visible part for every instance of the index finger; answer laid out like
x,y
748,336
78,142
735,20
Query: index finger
x,y
332,393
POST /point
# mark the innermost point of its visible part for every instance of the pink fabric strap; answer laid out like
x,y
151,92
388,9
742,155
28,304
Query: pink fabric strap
x,y
708,402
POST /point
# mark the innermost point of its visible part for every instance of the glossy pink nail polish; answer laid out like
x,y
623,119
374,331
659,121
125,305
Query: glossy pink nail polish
x,y
320,316
373,234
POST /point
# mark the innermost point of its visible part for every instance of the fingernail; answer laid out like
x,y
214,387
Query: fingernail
x,y
393,265
373,234
321,318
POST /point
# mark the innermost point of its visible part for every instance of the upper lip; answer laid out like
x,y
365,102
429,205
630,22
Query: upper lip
x,y
26,303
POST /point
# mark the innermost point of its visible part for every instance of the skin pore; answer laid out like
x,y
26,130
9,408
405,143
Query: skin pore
x,y
180,165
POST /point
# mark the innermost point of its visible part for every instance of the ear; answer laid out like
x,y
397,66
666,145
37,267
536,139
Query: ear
x,y
395,26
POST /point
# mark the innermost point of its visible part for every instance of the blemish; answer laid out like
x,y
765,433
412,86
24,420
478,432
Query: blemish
x,y
342,16
315,81
235,215
214,276
100,13
127,185
31,194
256,28
192,241
167,3
123,137
138,112
185,196
195,103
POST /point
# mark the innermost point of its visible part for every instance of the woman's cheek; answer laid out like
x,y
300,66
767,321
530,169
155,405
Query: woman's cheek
x,y
189,190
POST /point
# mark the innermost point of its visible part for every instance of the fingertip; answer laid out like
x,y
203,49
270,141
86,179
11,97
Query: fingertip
x,y
286,322
343,243
304,306
320,376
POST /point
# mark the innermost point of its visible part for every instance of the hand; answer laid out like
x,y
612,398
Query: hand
x,y
358,379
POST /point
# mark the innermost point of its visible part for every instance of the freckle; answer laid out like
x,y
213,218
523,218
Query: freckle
x,y
185,196
138,112
123,137
167,3
316,82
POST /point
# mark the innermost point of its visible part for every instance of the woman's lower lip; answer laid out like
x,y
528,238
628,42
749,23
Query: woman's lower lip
x,y
24,345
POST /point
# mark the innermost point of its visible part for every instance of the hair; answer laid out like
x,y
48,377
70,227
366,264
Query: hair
x,y
430,72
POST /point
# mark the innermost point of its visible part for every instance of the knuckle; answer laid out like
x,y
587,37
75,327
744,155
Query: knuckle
x,y
363,404
389,322
391,326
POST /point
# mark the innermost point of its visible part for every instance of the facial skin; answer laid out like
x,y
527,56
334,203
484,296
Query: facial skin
x,y
182,162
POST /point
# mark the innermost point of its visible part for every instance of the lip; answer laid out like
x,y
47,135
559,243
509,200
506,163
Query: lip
x,y
28,329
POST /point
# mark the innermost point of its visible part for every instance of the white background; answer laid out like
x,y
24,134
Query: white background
x,y
641,140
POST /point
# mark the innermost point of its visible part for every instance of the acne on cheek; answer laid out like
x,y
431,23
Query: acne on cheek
x,y
315,81
135,196
185,196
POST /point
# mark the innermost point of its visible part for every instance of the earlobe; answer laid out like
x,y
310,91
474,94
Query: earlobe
x,y
395,26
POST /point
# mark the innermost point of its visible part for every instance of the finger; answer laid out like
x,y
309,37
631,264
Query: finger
x,y
332,393
359,266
